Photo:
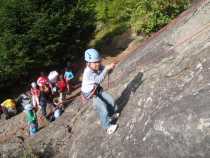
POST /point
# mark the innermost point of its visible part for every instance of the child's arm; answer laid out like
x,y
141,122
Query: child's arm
x,y
98,78
71,75
37,100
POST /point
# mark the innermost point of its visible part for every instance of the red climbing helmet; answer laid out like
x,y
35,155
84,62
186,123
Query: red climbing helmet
x,y
41,81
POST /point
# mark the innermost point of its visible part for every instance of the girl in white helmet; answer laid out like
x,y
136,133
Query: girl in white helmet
x,y
93,75
53,78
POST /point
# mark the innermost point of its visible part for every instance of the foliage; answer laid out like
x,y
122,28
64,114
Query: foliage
x,y
40,33
149,16
142,16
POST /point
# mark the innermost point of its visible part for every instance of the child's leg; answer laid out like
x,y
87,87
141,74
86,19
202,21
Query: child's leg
x,y
43,105
33,101
68,85
37,102
61,97
102,111
107,98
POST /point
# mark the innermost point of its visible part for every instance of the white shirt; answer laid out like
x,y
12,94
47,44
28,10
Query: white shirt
x,y
92,78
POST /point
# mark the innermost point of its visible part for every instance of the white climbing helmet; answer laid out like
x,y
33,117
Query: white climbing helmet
x,y
53,76
92,55
33,85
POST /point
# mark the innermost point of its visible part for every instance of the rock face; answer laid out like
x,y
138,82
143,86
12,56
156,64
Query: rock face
x,y
163,91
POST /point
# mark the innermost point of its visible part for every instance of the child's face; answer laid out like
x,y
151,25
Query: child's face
x,y
95,65
61,77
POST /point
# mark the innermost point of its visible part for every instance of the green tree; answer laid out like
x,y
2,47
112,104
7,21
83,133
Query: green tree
x,y
40,33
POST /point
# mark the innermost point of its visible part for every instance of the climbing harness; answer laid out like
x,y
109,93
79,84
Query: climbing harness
x,y
85,98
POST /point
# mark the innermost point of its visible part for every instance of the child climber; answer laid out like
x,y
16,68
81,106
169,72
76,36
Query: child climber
x,y
35,92
93,75
61,84
31,119
68,75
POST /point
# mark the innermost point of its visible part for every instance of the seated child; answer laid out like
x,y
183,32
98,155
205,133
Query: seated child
x,y
22,100
9,108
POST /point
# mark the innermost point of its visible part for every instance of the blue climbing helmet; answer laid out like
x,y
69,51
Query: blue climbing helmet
x,y
92,55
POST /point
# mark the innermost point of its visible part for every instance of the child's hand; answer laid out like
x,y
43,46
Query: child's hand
x,y
111,66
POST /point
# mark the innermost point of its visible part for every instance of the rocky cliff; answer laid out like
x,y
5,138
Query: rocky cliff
x,y
163,91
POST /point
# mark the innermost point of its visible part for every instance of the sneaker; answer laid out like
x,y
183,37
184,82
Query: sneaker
x,y
112,129
114,117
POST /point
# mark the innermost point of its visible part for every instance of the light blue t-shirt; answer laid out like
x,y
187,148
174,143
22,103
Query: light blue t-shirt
x,y
69,75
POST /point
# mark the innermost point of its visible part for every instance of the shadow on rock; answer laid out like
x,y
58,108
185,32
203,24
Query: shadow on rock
x,y
131,88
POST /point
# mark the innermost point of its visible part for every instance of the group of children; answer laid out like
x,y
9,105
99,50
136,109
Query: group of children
x,y
44,90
